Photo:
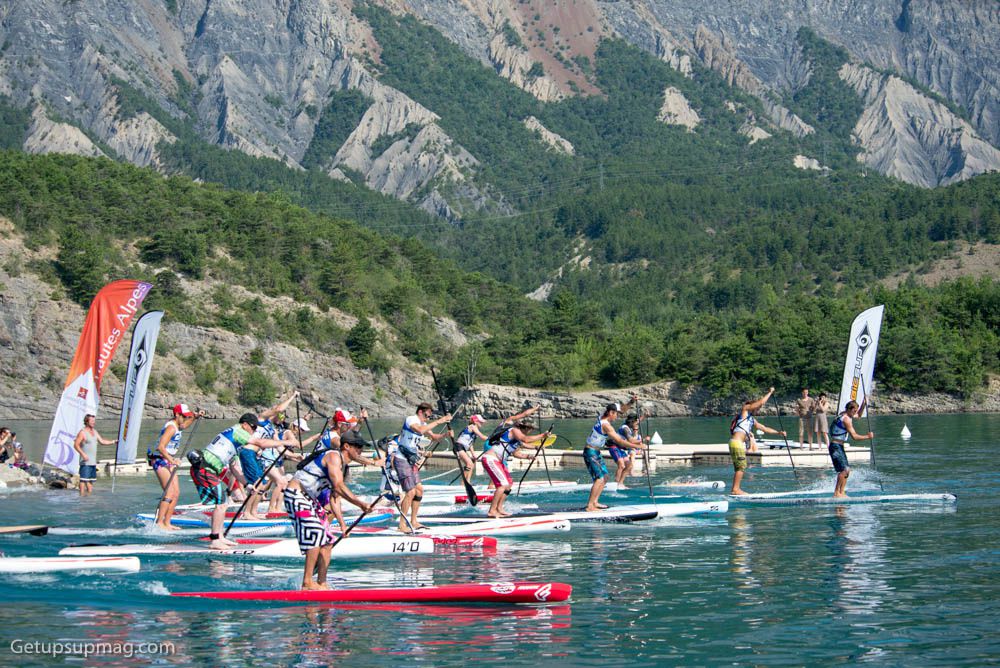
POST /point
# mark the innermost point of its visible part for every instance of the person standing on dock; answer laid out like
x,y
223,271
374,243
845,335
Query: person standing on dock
x,y
85,444
843,427
741,431
820,425
804,409
602,432
416,433
162,457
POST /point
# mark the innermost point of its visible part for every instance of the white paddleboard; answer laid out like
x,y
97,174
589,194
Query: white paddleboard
x,y
352,547
813,499
67,563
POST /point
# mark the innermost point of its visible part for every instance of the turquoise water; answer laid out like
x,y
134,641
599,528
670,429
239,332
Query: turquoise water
x,y
896,585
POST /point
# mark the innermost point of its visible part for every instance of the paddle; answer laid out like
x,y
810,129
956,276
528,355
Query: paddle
x,y
395,495
180,455
263,476
541,445
645,458
358,521
871,451
781,425
470,491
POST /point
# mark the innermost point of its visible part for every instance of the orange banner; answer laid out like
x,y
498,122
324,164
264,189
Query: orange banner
x,y
107,321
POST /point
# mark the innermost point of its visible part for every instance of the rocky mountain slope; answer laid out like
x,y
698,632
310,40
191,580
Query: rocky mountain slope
x,y
259,77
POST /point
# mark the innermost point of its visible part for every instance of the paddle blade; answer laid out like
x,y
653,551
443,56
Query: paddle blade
x,y
40,531
470,493
549,440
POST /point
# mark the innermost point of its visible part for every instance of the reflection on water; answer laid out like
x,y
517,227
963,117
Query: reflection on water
x,y
858,550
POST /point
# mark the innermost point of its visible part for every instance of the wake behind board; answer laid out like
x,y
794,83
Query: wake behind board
x,y
68,564
827,499
513,592
33,529
352,547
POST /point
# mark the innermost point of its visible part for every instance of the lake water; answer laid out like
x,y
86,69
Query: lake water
x,y
893,584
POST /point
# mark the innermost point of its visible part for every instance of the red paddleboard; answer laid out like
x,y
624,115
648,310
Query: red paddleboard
x,y
462,498
498,592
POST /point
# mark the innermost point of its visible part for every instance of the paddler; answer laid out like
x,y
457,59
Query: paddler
x,y
740,431
602,432
842,427
513,442
624,457
465,446
488,441
273,462
314,490
250,455
417,432
210,464
163,458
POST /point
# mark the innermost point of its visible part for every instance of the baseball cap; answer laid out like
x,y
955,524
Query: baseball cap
x,y
182,409
344,416
613,407
476,419
353,438
249,418
301,424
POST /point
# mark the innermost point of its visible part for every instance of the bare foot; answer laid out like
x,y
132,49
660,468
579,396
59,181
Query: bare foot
x,y
310,586
404,529
737,492
220,544
322,586
496,517
419,527
840,496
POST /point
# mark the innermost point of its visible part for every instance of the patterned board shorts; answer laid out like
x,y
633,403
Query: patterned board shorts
x,y
312,529
211,488
738,453
838,457
595,463
497,472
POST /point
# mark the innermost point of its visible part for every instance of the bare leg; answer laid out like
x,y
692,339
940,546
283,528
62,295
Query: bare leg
x,y
737,479
839,490
465,462
415,507
495,505
218,520
595,494
620,474
404,509
322,564
312,556
278,479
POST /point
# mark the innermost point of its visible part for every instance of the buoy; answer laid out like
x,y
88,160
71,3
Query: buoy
x,y
760,433
655,439
905,433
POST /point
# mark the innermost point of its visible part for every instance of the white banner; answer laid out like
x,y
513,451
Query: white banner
x,y
860,364
140,363
79,398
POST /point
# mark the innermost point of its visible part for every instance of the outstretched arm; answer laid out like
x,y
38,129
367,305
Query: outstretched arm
x,y
768,430
849,426
757,405
278,408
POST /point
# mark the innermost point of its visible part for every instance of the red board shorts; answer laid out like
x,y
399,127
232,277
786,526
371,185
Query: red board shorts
x,y
497,472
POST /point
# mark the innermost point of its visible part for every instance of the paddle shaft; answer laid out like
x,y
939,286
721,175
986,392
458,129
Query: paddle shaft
x,y
470,491
868,418
541,446
781,425
358,521
645,458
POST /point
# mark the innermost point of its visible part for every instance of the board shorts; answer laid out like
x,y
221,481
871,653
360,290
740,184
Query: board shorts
x,y
595,463
738,453
838,457
88,472
211,489
250,464
312,529
407,473
819,424
497,472
617,454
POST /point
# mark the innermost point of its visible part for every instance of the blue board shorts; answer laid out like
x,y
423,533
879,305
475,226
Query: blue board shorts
x,y
252,469
88,472
595,463
839,457
617,454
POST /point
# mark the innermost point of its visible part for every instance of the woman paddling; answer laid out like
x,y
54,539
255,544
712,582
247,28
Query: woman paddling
x,y
512,443
163,458
741,432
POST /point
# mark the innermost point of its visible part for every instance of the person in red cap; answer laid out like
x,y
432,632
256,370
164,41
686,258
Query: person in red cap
x,y
163,457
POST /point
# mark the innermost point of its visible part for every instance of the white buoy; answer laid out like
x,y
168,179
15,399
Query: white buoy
x,y
655,439
905,433
760,433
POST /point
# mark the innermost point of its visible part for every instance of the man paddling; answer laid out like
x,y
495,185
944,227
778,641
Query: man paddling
x,y
842,427
316,489
250,455
209,465
416,433
740,432
602,432
513,442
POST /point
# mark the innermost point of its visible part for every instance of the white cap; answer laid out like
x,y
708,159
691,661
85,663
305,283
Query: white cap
x,y
301,424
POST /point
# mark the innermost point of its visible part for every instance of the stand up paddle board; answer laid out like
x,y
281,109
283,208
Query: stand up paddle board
x,y
512,592
814,499
350,548
33,529
193,521
56,564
